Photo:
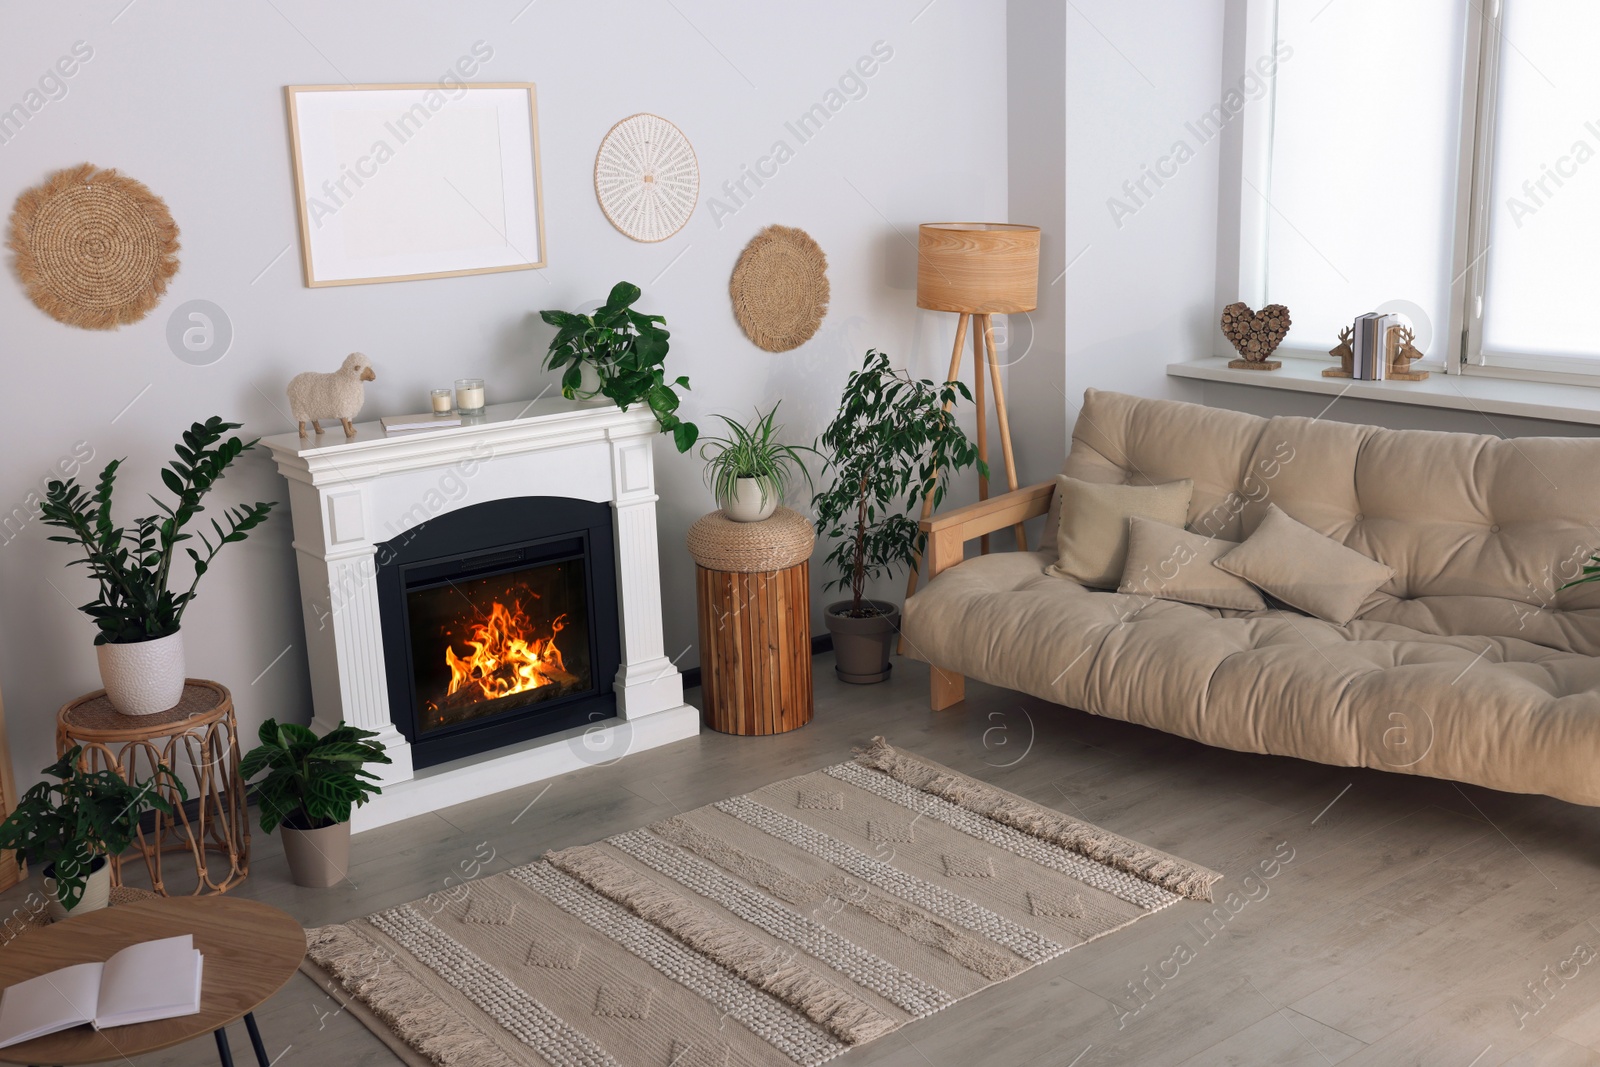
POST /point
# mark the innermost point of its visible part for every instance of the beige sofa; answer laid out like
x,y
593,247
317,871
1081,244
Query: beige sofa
x,y
1472,664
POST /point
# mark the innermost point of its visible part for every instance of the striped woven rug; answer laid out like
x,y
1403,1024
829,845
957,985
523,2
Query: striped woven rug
x,y
784,926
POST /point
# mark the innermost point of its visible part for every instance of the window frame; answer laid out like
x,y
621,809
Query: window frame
x,y
1459,343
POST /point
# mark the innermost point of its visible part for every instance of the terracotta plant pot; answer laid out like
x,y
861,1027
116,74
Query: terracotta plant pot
x,y
317,858
746,504
861,647
96,891
143,678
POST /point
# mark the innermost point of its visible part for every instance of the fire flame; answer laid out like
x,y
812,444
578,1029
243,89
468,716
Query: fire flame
x,y
505,657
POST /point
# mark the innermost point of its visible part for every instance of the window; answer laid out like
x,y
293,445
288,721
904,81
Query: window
x,y
1541,244
1436,157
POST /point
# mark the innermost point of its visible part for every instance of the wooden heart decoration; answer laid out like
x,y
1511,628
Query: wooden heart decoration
x,y
1255,334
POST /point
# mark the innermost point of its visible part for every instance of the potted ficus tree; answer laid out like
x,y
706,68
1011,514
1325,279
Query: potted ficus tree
x,y
888,448
72,826
748,469
310,787
140,640
619,353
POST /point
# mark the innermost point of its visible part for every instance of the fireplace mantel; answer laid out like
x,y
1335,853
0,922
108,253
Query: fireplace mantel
x,y
349,496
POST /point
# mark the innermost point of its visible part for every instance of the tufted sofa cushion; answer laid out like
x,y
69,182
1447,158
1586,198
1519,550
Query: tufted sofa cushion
x,y
1502,712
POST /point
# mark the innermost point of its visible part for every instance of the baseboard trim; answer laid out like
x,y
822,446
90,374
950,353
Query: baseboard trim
x,y
820,643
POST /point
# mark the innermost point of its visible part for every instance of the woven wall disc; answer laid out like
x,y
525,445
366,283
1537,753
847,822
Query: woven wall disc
x,y
780,288
646,177
94,248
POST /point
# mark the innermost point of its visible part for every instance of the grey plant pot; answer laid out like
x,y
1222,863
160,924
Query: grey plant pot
x,y
861,647
317,858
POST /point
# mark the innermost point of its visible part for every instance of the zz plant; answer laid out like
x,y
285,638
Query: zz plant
x,y
627,350
80,816
311,782
887,447
133,564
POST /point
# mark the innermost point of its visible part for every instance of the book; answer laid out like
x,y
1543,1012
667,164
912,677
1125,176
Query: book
x,y
144,982
412,423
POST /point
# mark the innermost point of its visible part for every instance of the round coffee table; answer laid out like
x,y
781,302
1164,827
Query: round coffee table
x,y
251,950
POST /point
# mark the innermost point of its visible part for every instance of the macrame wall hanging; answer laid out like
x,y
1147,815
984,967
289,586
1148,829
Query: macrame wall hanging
x,y
646,177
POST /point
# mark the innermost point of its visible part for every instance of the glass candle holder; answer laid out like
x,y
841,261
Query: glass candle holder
x,y
469,396
443,401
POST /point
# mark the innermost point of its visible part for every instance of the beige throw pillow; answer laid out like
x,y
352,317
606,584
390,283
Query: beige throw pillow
x,y
1291,561
1172,564
1092,535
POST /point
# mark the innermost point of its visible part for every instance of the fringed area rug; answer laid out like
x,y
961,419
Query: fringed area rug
x,y
784,926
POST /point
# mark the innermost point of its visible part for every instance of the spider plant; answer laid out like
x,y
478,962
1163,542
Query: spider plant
x,y
753,451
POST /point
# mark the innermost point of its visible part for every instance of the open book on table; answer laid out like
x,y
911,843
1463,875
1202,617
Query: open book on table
x,y
148,981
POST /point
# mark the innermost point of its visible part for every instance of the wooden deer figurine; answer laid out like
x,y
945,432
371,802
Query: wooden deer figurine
x,y
1346,353
1400,356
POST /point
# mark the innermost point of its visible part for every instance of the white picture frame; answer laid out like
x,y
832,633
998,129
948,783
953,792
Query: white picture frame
x,y
402,182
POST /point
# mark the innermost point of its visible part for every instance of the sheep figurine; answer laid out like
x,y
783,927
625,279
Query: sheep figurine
x,y
313,396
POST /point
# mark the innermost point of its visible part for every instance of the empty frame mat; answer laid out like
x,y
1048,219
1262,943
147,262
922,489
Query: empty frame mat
x,y
396,182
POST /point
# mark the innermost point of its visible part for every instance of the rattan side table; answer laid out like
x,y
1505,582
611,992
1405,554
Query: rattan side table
x,y
199,741
752,581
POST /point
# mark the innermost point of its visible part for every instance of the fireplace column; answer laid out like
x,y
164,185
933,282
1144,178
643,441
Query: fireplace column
x,y
339,598
648,681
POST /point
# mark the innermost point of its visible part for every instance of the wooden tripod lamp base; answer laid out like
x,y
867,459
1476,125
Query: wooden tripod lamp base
x,y
978,270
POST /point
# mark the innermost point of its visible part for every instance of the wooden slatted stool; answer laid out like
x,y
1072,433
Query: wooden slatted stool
x,y
753,583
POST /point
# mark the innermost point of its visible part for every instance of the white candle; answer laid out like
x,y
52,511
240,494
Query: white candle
x,y
469,398
442,403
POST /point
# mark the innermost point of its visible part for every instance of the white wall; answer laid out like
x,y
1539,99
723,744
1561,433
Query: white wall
x,y
1139,286
1036,56
187,97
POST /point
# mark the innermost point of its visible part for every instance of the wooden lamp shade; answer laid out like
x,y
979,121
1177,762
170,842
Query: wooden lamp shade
x,y
978,270
985,268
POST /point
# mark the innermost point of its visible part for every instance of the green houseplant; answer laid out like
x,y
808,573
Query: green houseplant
x,y
886,447
627,351
748,469
310,786
138,615
73,825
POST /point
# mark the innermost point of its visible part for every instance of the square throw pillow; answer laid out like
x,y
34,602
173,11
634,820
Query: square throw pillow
x,y
1291,561
1168,563
1092,535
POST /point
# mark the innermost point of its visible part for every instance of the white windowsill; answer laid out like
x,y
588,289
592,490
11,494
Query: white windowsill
x,y
1495,396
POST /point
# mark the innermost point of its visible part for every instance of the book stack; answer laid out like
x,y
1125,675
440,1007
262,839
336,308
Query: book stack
x,y
1370,344
1369,363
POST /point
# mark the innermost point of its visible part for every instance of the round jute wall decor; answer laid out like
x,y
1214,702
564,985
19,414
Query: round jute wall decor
x,y
95,248
780,288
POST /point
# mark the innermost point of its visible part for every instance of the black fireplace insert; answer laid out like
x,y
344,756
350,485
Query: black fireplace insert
x,y
499,624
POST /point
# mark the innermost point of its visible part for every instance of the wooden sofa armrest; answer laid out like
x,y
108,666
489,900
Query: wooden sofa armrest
x,y
949,531
947,537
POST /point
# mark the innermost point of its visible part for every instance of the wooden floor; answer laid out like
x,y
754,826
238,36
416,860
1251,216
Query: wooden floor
x,y
1411,925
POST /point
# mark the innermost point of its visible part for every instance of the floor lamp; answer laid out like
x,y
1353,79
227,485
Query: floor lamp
x,y
978,269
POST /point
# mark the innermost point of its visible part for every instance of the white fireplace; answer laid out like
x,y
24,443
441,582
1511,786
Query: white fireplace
x,y
354,499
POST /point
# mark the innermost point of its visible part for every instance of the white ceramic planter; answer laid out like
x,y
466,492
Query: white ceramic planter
x,y
143,678
588,382
96,892
746,504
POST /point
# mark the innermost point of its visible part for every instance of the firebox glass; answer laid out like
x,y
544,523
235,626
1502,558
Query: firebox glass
x,y
486,645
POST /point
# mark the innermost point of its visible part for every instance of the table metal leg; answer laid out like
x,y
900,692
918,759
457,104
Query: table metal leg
x,y
255,1039
224,1053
